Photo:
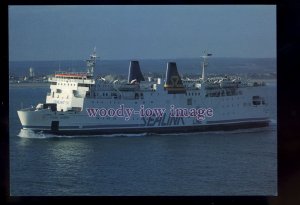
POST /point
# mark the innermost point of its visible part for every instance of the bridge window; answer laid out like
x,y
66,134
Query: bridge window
x,y
256,100
83,85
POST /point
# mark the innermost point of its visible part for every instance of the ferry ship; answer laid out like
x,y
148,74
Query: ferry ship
x,y
79,103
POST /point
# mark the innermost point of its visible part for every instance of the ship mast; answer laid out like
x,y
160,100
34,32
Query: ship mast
x,y
204,63
91,63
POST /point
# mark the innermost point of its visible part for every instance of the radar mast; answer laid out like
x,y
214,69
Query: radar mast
x,y
91,63
205,63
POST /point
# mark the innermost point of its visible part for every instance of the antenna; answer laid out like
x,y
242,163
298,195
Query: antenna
x,y
205,63
91,62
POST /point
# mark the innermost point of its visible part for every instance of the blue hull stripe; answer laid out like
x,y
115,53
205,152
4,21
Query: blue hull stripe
x,y
137,128
238,120
167,130
113,126
142,125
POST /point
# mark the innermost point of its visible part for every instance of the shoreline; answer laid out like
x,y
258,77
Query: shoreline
x,y
263,80
47,84
25,85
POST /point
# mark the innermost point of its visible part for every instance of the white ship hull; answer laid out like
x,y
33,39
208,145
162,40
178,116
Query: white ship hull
x,y
229,113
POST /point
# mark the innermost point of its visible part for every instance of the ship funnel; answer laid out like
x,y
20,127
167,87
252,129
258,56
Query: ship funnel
x,y
134,73
173,82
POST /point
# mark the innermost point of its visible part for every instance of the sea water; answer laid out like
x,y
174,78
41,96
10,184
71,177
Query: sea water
x,y
235,163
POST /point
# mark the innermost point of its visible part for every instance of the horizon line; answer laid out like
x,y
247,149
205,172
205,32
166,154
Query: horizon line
x,y
141,59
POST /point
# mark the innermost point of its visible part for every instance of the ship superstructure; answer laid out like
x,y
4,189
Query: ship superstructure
x,y
79,103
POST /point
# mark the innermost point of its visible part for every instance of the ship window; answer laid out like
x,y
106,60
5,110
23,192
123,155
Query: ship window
x,y
189,101
256,100
83,85
76,109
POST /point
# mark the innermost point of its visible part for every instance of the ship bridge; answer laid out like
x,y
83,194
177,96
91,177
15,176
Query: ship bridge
x,y
76,77
68,89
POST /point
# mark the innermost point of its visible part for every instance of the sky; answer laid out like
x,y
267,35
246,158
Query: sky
x,y
141,32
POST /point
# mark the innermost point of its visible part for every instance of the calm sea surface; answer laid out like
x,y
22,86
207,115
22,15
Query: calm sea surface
x,y
212,163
